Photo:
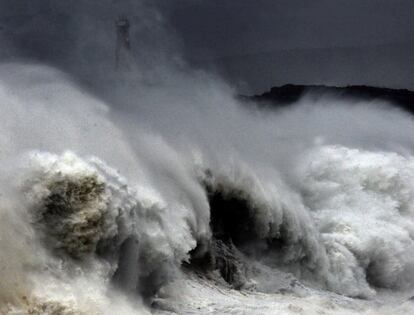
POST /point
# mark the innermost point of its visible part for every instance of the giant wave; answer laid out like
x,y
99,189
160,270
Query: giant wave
x,y
94,221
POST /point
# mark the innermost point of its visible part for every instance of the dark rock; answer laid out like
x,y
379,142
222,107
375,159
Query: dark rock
x,y
288,94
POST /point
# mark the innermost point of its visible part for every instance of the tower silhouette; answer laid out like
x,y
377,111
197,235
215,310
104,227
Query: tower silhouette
x,y
123,45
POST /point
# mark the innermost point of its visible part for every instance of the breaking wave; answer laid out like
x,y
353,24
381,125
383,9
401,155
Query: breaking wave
x,y
102,218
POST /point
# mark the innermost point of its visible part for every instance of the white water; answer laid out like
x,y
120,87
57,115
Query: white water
x,y
340,199
104,191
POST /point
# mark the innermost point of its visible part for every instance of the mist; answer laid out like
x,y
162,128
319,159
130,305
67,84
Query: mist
x,y
110,173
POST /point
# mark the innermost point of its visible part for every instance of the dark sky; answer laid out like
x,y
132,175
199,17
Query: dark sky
x,y
228,27
254,43
260,43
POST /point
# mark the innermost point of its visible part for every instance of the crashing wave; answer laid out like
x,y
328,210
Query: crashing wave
x,y
349,228
87,217
362,203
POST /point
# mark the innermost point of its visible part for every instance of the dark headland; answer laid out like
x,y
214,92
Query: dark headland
x,y
290,93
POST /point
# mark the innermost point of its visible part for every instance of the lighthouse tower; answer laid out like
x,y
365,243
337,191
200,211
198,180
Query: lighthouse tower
x,y
123,45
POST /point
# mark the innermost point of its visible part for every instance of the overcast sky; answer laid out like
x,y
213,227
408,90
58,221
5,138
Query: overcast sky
x,y
254,43
261,43
227,27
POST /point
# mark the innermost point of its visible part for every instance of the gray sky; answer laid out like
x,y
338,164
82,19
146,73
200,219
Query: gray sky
x,y
228,27
261,43
254,43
